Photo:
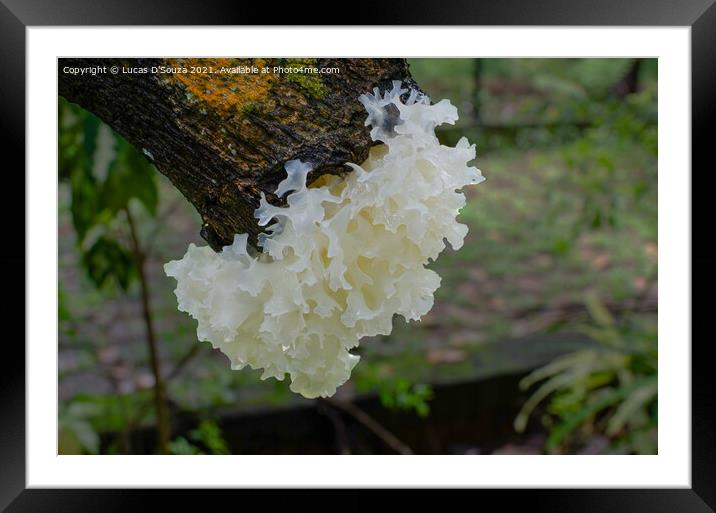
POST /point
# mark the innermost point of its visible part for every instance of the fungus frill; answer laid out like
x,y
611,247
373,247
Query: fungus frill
x,y
345,255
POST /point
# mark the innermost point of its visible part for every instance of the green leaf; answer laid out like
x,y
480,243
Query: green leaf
x,y
558,365
551,385
69,147
210,435
181,445
632,405
63,313
598,311
85,435
107,260
130,176
77,435
90,130
84,202
99,193
84,207
108,412
575,420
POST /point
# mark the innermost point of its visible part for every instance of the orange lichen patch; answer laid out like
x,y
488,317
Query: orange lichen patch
x,y
226,86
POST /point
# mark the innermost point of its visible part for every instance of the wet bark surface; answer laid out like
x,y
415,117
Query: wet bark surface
x,y
222,133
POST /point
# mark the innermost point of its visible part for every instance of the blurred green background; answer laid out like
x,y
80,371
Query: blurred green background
x,y
542,339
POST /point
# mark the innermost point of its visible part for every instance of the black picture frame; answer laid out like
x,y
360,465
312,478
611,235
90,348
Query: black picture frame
x,y
17,15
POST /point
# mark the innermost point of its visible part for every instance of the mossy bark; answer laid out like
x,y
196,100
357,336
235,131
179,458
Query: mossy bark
x,y
222,137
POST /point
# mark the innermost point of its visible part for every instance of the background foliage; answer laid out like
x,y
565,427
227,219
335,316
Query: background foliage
x,y
562,246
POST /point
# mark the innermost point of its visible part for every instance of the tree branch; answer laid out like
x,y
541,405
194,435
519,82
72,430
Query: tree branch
x,y
223,137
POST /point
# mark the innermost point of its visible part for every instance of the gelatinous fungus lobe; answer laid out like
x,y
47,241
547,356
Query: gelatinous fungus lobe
x,y
342,258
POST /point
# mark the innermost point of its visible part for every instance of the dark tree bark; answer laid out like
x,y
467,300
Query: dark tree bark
x,y
222,137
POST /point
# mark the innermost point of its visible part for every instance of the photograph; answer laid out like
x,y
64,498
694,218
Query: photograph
x,y
357,256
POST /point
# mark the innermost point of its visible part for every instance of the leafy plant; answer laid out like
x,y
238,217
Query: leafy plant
x,y
396,393
611,388
206,437
77,434
105,173
401,394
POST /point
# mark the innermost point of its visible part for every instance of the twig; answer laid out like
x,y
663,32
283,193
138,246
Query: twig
x,y
369,422
183,361
339,427
160,395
